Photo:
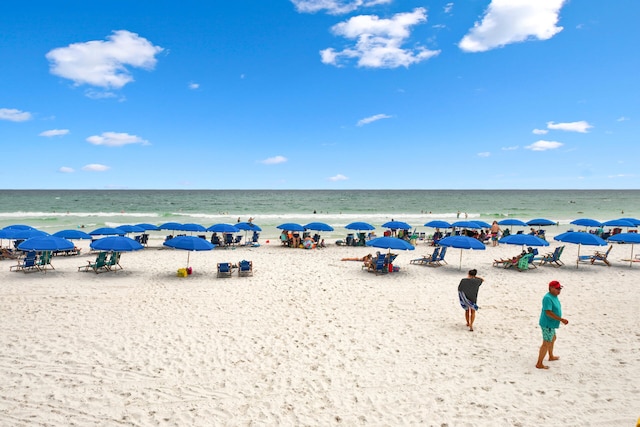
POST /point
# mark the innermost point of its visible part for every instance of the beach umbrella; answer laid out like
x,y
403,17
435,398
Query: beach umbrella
x,y
46,243
586,222
128,228
540,222
482,224
465,224
223,228
512,222
390,243
438,224
580,238
462,242
21,234
290,226
634,221
116,244
524,239
19,227
396,225
632,238
148,227
359,226
318,226
618,223
72,234
189,243
247,226
192,227
107,231
170,226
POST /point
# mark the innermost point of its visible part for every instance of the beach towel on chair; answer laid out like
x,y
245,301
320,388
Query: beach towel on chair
x,y
465,303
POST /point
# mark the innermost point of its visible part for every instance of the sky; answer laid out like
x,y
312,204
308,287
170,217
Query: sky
x,y
319,94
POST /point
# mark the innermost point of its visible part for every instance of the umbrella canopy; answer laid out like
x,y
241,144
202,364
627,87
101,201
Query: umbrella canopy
x,y
359,225
461,242
107,231
397,225
146,227
524,239
116,244
465,224
190,226
18,227
18,234
512,222
318,226
170,226
128,228
390,243
540,222
223,228
632,238
586,222
482,223
46,243
634,221
72,234
580,238
618,223
290,226
189,243
247,226
438,224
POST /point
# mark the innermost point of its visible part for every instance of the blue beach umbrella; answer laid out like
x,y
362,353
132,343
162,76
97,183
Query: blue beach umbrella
x,y
116,244
359,226
21,234
397,225
512,222
438,224
189,243
148,227
618,223
173,226
192,227
482,224
580,238
318,226
128,228
462,242
19,227
632,238
390,243
465,224
290,226
540,222
634,221
247,226
524,239
586,222
72,234
46,243
107,231
223,228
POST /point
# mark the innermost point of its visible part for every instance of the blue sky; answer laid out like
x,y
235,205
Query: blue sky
x,y
319,94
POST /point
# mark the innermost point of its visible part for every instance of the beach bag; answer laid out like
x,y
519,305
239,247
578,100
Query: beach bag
x,y
182,272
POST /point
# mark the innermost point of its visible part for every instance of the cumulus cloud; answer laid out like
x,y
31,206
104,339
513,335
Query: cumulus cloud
x,y
104,63
14,115
338,177
372,119
274,160
66,169
508,21
540,131
378,42
544,145
334,7
115,139
95,167
54,132
581,126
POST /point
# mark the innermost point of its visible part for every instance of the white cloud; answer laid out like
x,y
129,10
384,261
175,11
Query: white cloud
x,y
54,132
99,94
14,115
194,86
544,145
484,154
104,63
66,169
372,119
378,42
540,131
448,7
512,148
95,167
274,160
622,119
508,21
338,177
115,139
334,7
581,126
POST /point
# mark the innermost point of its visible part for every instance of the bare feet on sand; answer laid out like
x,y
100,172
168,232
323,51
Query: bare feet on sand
x,y
542,367
551,359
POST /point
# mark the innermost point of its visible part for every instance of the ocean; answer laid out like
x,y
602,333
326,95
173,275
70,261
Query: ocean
x,y
54,210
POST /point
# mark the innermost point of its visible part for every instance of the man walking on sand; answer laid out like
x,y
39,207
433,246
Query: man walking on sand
x,y
468,294
550,319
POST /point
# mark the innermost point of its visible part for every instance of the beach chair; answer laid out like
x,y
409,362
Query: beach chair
x,y
524,262
378,265
28,263
597,256
440,260
424,260
228,239
98,264
553,258
8,254
245,268
113,262
44,260
225,269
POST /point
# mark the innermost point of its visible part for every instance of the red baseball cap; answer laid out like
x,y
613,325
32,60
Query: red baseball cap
x,y
555,284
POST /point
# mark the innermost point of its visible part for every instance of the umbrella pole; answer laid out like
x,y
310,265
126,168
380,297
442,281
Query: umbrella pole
x,y
460,266
188,255
631,257
578,259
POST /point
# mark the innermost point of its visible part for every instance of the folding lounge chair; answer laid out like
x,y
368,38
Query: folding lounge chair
x,y
426,259
113,262
378,265
524,262
553,258
29,263
597,256
245,268
44,260
225,269
100,263
440,260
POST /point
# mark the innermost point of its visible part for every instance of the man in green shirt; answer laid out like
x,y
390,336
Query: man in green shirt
x,y
550,319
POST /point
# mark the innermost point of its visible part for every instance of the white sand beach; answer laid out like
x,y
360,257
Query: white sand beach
x,y
310,340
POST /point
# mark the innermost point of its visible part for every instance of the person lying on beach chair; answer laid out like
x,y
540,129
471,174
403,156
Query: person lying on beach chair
x,y
8,254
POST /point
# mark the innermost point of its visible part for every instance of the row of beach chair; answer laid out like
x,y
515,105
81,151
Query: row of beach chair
x,y
435,259
34,261
244,267
105,261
